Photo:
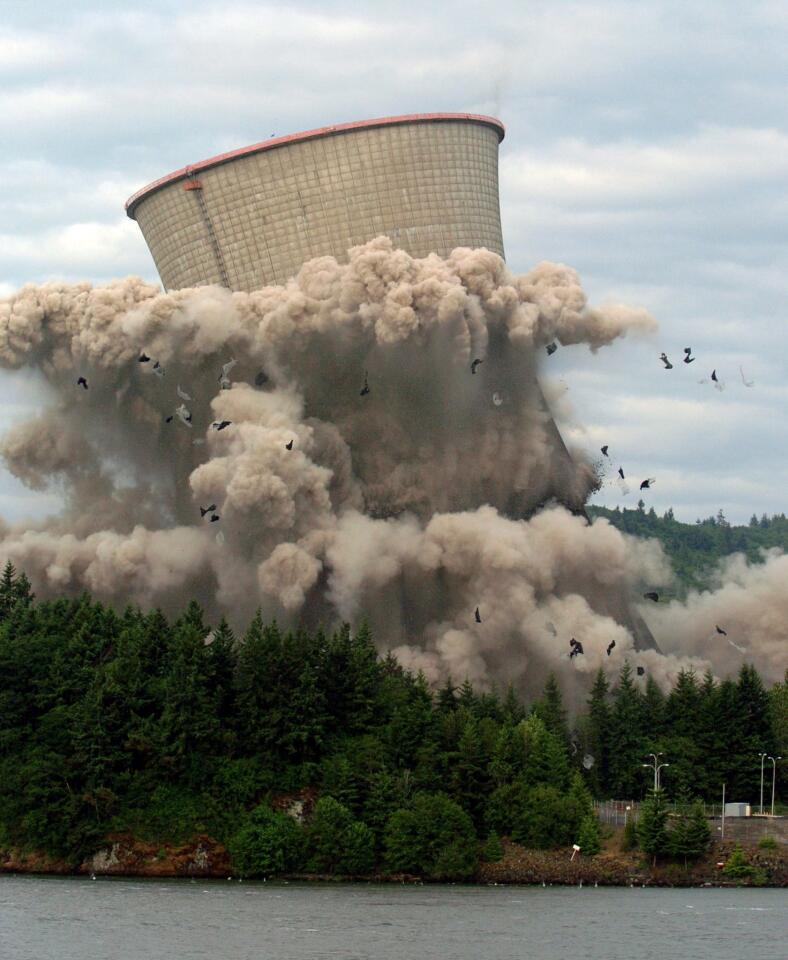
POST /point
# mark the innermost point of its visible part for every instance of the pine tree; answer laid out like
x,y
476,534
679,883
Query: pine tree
x,y
651,827
599,722
447,700
698,831
545,759
550,709
588,837
493,848
653,709
513,710
469,772
627,740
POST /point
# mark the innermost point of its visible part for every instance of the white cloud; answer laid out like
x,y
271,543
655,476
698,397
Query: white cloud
x,y
714,158
24,51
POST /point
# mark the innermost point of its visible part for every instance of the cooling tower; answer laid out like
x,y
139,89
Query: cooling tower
x,y
251,217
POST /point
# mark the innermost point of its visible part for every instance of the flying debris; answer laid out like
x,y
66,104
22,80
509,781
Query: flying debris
x,y
220,425
183,415
260,379
718,384
183,394
621,472
170,418
477,616
641,671
158,369
365,388
226,368
551,348
289,445
610,647
577,648
604,451
646,485
723,633
204,510
736,646
687,355
664,358
588,761
747,383
215,517
551,628
143,358
497,399
651,595
475,364
82,382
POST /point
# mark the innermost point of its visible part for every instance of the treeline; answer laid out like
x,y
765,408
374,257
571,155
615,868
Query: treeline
x,y
695,549
125,722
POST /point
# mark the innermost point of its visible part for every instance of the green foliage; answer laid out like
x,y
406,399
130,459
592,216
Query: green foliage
x,y
545,820
767,842
493,849
270,844
737,865
695,549
434,837
588,838
651,827
337,842
127,722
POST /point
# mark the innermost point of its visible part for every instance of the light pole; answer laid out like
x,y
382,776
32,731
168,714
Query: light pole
x,y
656,766
763,757
774,777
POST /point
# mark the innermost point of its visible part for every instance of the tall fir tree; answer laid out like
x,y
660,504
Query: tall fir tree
x,y
627,739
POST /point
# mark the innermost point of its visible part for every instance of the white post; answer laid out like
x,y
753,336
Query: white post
x,y
723,812
774,777
763,757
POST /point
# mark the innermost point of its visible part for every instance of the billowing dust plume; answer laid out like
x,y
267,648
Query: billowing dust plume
x,y
438,491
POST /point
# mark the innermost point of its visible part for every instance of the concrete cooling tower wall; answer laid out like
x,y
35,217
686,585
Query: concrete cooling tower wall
x,y
251,217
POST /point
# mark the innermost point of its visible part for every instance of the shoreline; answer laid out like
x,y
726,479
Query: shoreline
x,y
206,859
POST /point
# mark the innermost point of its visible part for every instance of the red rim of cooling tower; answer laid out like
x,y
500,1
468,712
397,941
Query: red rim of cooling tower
x,y
270,144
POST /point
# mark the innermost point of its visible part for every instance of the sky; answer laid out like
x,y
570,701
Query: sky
x,y
646,146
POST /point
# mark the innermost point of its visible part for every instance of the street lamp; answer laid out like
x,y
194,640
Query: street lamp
x,y
656,766
774,777
763,757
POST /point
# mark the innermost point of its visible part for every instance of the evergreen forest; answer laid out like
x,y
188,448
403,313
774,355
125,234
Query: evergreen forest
x,y
696,549
126,722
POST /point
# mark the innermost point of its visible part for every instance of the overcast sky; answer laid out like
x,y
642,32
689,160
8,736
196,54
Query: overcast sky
x,y
646,146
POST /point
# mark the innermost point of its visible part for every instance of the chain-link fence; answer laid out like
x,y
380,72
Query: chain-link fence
x,y
748,829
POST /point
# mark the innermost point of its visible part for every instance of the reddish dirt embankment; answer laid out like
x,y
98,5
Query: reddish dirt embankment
x,y
614,867
126,857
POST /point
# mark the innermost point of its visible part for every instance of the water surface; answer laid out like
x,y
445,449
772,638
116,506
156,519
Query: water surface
x,y
108,919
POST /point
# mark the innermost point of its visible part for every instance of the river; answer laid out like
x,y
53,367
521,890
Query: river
x,y
111,919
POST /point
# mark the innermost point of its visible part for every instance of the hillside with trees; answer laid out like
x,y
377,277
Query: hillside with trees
x,y
696,549
127,723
